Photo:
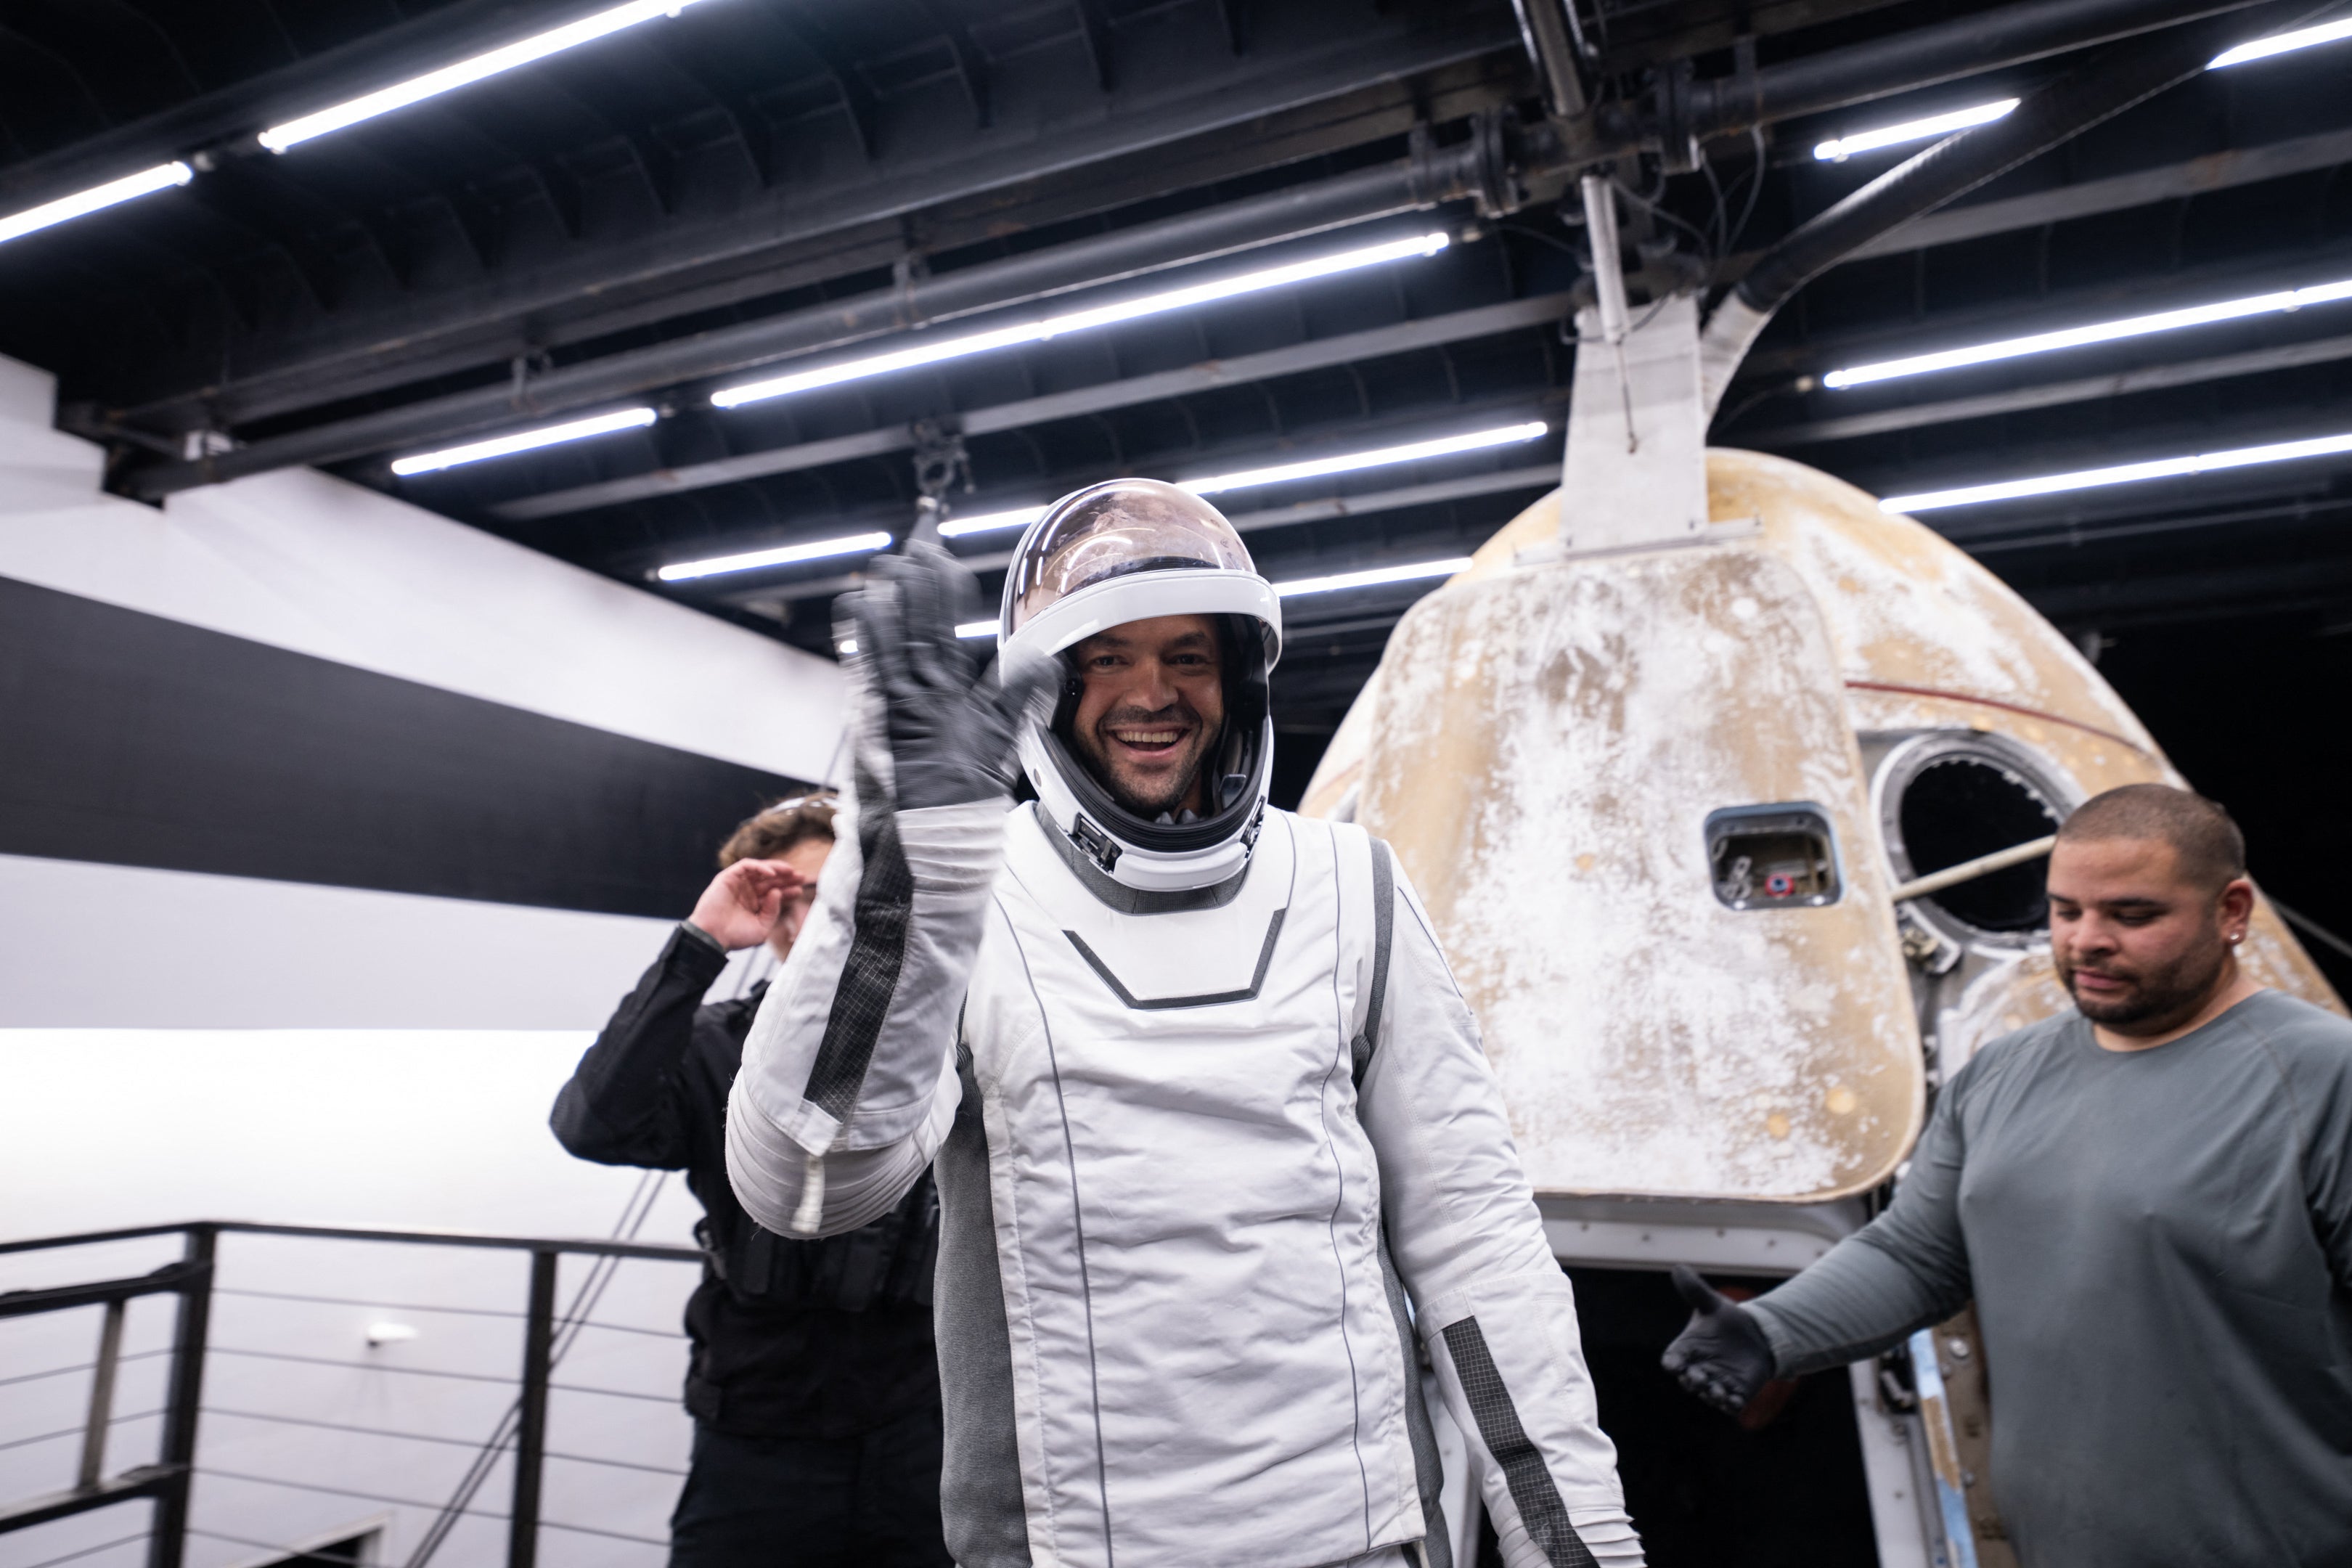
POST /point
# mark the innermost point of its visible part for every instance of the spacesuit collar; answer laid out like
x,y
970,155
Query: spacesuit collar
x,y
1129,901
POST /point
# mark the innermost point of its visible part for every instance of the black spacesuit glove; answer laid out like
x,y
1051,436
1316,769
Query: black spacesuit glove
x,y
1721,1355
949,719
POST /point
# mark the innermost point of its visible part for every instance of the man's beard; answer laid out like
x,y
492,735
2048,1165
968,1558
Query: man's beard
x,y
2165,998
1174,791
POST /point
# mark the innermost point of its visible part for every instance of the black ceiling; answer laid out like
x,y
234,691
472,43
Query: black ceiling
x,y
757,167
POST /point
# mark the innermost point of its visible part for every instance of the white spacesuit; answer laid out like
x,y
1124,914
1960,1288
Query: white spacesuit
x,y
1213,1135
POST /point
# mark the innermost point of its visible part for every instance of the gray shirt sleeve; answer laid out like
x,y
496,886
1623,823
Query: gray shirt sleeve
x,y
1906,1270
2319,1085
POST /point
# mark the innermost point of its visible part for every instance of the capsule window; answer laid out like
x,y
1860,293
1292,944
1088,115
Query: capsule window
x,y
1773,856
1959,807
1947,796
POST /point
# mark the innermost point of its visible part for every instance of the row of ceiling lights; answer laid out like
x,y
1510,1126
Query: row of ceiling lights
x,y
927,353
604,24
1248,478
341,116
1069,323
2282,300
280,138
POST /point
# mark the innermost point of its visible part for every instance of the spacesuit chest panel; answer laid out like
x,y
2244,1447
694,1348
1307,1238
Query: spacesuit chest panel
x,y
1194,1295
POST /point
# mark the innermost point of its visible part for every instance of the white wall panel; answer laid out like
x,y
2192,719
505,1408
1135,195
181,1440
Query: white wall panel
x,y
86,945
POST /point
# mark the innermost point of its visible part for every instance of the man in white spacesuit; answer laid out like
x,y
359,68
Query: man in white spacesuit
x,y
1213,1136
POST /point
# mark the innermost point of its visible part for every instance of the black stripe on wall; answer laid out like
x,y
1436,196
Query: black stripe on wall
x,y
139,740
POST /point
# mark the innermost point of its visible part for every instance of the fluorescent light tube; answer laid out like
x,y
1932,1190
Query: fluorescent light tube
x,y
989,522
1038,332
1845,147
2100,332
2123,474
525,441
785,555
431,84
2285,43
1373,577
1500,436
162,176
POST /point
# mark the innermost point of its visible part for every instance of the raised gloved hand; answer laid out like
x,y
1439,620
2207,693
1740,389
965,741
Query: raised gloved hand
x,y
1721,1355
949,719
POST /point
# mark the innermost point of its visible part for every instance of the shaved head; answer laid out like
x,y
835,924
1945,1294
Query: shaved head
x,y
2212,852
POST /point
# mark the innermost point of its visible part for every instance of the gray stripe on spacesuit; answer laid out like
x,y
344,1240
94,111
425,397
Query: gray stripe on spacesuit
x,y
1428,1466
1078,1223
982,1499
1339,1172
878,952
1264,963
1541,1512
1383,935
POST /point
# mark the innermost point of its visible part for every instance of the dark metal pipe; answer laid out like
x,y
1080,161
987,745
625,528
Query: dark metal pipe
x,y
1925,56
167,1541
1543,29
1431,176
531,1426
2099,88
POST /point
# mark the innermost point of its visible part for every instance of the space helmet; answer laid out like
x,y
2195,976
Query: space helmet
x,y
1124,551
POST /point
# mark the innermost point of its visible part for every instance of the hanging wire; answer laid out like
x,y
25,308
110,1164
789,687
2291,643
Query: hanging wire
x,y
1755,189
83,1366
88,1551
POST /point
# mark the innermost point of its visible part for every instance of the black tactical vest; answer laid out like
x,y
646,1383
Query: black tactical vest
x,y
887,1263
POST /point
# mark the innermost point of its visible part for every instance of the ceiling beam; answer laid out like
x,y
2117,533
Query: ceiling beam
x,y
264,382
1322,508
2018,315
771,226
2019,400
1427,178
1207,375
2118,193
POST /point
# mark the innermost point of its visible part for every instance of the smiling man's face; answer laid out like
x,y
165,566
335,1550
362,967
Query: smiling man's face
x,y
1152,703
2140,946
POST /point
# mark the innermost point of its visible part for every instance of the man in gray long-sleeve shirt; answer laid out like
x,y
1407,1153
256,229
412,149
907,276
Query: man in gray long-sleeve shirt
x,y
2150,1199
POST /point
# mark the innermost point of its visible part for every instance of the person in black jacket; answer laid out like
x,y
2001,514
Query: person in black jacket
x,y
814,1383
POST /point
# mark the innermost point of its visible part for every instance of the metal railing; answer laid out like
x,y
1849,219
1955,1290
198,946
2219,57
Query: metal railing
x,y
169,1479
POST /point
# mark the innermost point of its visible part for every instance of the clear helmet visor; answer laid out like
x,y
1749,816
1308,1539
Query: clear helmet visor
x,y
1115,530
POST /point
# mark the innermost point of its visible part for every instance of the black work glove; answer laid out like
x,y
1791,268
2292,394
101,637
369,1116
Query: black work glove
x,y
1721,1355
951,719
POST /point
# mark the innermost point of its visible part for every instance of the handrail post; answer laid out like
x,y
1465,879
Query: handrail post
x,y
530,1431
169,1541
101,1398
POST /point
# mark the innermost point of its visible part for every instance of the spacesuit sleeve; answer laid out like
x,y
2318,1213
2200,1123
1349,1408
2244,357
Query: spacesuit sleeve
x,y
849,1079
1489,1301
